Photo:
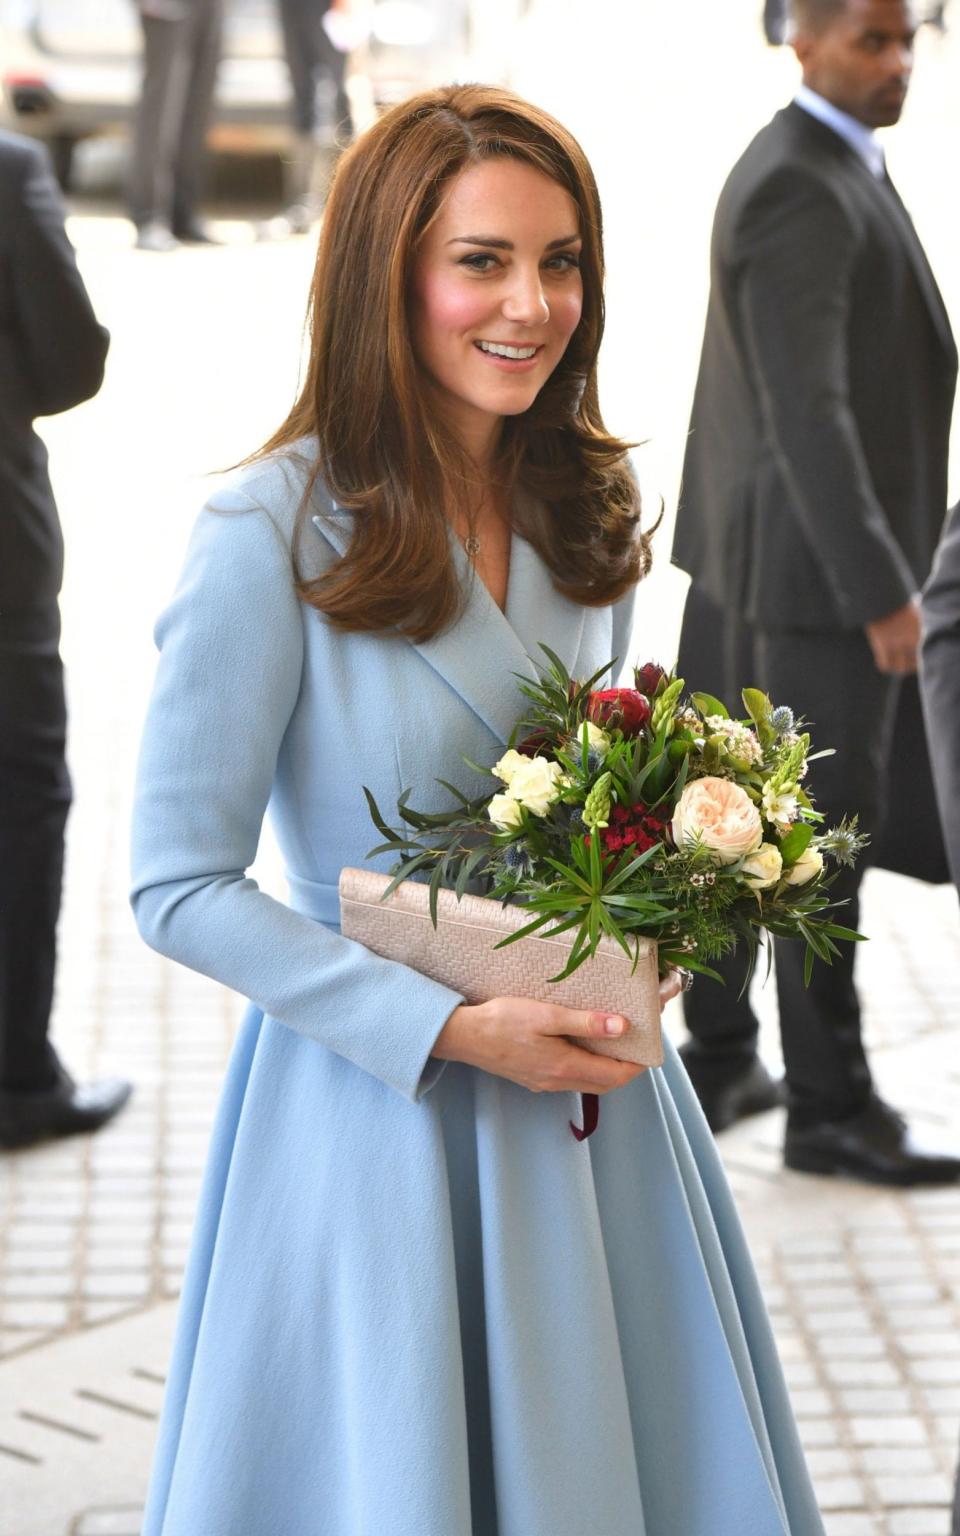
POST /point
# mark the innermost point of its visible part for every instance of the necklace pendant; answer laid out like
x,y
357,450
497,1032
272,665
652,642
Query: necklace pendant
x,y
472,546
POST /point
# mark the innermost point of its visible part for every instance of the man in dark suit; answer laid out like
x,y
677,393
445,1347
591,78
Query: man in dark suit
x,y
181,52
52,353
813,496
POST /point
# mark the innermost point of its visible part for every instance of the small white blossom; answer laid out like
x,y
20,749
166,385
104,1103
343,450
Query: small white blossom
x,y
780,806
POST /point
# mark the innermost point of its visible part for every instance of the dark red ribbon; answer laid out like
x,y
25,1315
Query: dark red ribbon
x,y
591,1117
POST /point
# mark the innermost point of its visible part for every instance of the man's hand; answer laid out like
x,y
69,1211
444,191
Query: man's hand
x,y
895,639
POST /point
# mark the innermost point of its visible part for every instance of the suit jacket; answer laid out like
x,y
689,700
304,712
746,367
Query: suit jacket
x,y
378,1229
940,683
52,352
814,483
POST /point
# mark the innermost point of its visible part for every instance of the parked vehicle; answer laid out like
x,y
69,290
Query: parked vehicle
x,y
70,69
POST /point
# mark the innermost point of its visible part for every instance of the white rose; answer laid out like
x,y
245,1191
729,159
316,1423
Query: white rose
x,y
537,784
508,765
505,812
807,867
722,814
763,868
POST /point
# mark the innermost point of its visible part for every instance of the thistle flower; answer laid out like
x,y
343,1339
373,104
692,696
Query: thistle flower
x,y
516,856
782,719
843,842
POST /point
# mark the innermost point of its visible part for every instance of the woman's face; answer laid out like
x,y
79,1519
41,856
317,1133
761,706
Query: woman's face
x,y
497,294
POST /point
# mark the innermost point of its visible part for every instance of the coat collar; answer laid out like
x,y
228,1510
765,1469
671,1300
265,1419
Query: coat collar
x,y
480,653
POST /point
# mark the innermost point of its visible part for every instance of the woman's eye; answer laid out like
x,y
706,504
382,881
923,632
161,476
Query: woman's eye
x,y
564,261
479,261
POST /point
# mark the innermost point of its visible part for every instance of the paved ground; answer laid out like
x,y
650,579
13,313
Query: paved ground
x,y
863,1286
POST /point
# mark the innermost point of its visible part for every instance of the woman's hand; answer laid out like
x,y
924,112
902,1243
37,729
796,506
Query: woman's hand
x,y
535,1044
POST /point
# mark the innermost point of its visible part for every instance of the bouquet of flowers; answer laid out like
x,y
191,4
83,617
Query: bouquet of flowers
x,y
644,812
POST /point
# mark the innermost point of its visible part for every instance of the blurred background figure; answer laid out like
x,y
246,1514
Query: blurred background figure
x,y
317,35
776,14
940,685
52,353
815,485
181,51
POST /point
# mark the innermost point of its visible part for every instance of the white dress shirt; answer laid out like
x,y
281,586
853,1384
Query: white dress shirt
x,y
860,138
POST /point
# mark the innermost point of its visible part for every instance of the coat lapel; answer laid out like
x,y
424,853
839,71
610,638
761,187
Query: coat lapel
x,y
480,654
923,272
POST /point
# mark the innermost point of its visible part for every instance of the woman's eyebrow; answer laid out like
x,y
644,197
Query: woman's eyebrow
x,y
507,245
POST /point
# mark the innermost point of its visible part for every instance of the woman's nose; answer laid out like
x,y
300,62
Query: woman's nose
x,y
525,301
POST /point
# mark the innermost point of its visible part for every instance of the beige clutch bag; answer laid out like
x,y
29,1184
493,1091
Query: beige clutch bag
x,y
460,953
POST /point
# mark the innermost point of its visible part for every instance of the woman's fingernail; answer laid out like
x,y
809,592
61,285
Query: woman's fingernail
x,y
614,1026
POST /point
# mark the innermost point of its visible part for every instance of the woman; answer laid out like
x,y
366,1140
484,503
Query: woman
x,y
415,1306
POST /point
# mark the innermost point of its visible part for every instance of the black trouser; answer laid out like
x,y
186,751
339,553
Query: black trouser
x,y
830,679
315,67
34,801
180,61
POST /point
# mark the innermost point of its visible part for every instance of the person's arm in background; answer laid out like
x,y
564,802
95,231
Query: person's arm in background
x,y
61,345
797,246
940,683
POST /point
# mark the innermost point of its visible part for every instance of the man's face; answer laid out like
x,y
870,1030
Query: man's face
x,y
862,59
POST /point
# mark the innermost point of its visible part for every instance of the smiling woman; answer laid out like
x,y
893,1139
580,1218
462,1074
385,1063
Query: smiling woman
x,y
415,1306
463,227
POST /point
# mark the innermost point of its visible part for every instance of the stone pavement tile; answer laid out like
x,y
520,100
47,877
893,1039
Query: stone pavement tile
x,y
912,1490
908,1292
918,1522
804,1272
800,1373
24,1284
851,1525
947,1427
815,1433
878,1270
844,1320
791,1346
898,1429
37,1261
35,1314
898,1459
941,1399
835,1462
855,1346
936,1372
921,1319
870,1400
122,1521
839,1492
862,1373
15,1339
812,1245
811,1402
885,1242
39,1234
938,1342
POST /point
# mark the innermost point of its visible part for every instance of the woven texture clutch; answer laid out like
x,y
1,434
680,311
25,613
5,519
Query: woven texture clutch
x,y
460,953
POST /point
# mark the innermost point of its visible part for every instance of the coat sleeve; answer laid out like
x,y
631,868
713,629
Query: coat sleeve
x,y
62,346
796,248
231,651
940,683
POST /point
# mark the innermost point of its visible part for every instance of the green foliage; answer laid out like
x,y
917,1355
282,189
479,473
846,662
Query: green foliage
x,y
601,863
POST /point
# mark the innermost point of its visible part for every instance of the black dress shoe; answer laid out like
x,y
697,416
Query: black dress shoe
x,y
875,1144
63,1110
730,1087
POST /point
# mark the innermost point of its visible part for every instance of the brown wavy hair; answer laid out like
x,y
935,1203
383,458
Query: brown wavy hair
x,y
382,452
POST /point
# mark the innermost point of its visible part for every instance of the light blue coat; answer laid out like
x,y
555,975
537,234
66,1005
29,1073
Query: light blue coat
x,y
415,1306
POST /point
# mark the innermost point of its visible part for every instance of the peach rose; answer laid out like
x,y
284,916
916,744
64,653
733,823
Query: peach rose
x,y
722,815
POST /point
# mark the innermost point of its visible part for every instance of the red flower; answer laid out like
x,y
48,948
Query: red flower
x,y
649,677
625,708
632,829
534,745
